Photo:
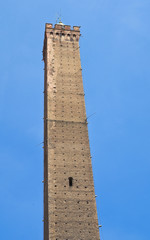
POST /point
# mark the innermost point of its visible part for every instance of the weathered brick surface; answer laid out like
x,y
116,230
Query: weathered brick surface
x,y
69,211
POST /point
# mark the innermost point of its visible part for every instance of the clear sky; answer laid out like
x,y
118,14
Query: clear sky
x,y
115,55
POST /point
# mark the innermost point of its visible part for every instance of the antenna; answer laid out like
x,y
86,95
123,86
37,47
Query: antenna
x,y
58,17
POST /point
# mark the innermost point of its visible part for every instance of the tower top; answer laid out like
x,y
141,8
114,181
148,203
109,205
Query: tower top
x,y
61,26
61,32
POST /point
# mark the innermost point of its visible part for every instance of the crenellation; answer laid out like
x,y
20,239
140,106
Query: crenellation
x,y
58,26
67,27
48,25
76,28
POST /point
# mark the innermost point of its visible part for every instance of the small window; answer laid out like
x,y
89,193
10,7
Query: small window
x,y
70,181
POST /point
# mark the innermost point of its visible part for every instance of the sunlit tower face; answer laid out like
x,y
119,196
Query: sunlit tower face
x,y
69,198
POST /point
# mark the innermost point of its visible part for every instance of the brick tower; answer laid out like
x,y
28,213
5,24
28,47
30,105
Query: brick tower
x,y
69,198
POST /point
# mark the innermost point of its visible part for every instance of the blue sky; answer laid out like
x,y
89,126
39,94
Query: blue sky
x,y
115,55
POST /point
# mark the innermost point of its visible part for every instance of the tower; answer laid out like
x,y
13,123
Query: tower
x,y
69,197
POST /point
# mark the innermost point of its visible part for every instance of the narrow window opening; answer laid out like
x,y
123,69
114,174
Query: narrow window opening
x,y
70,181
